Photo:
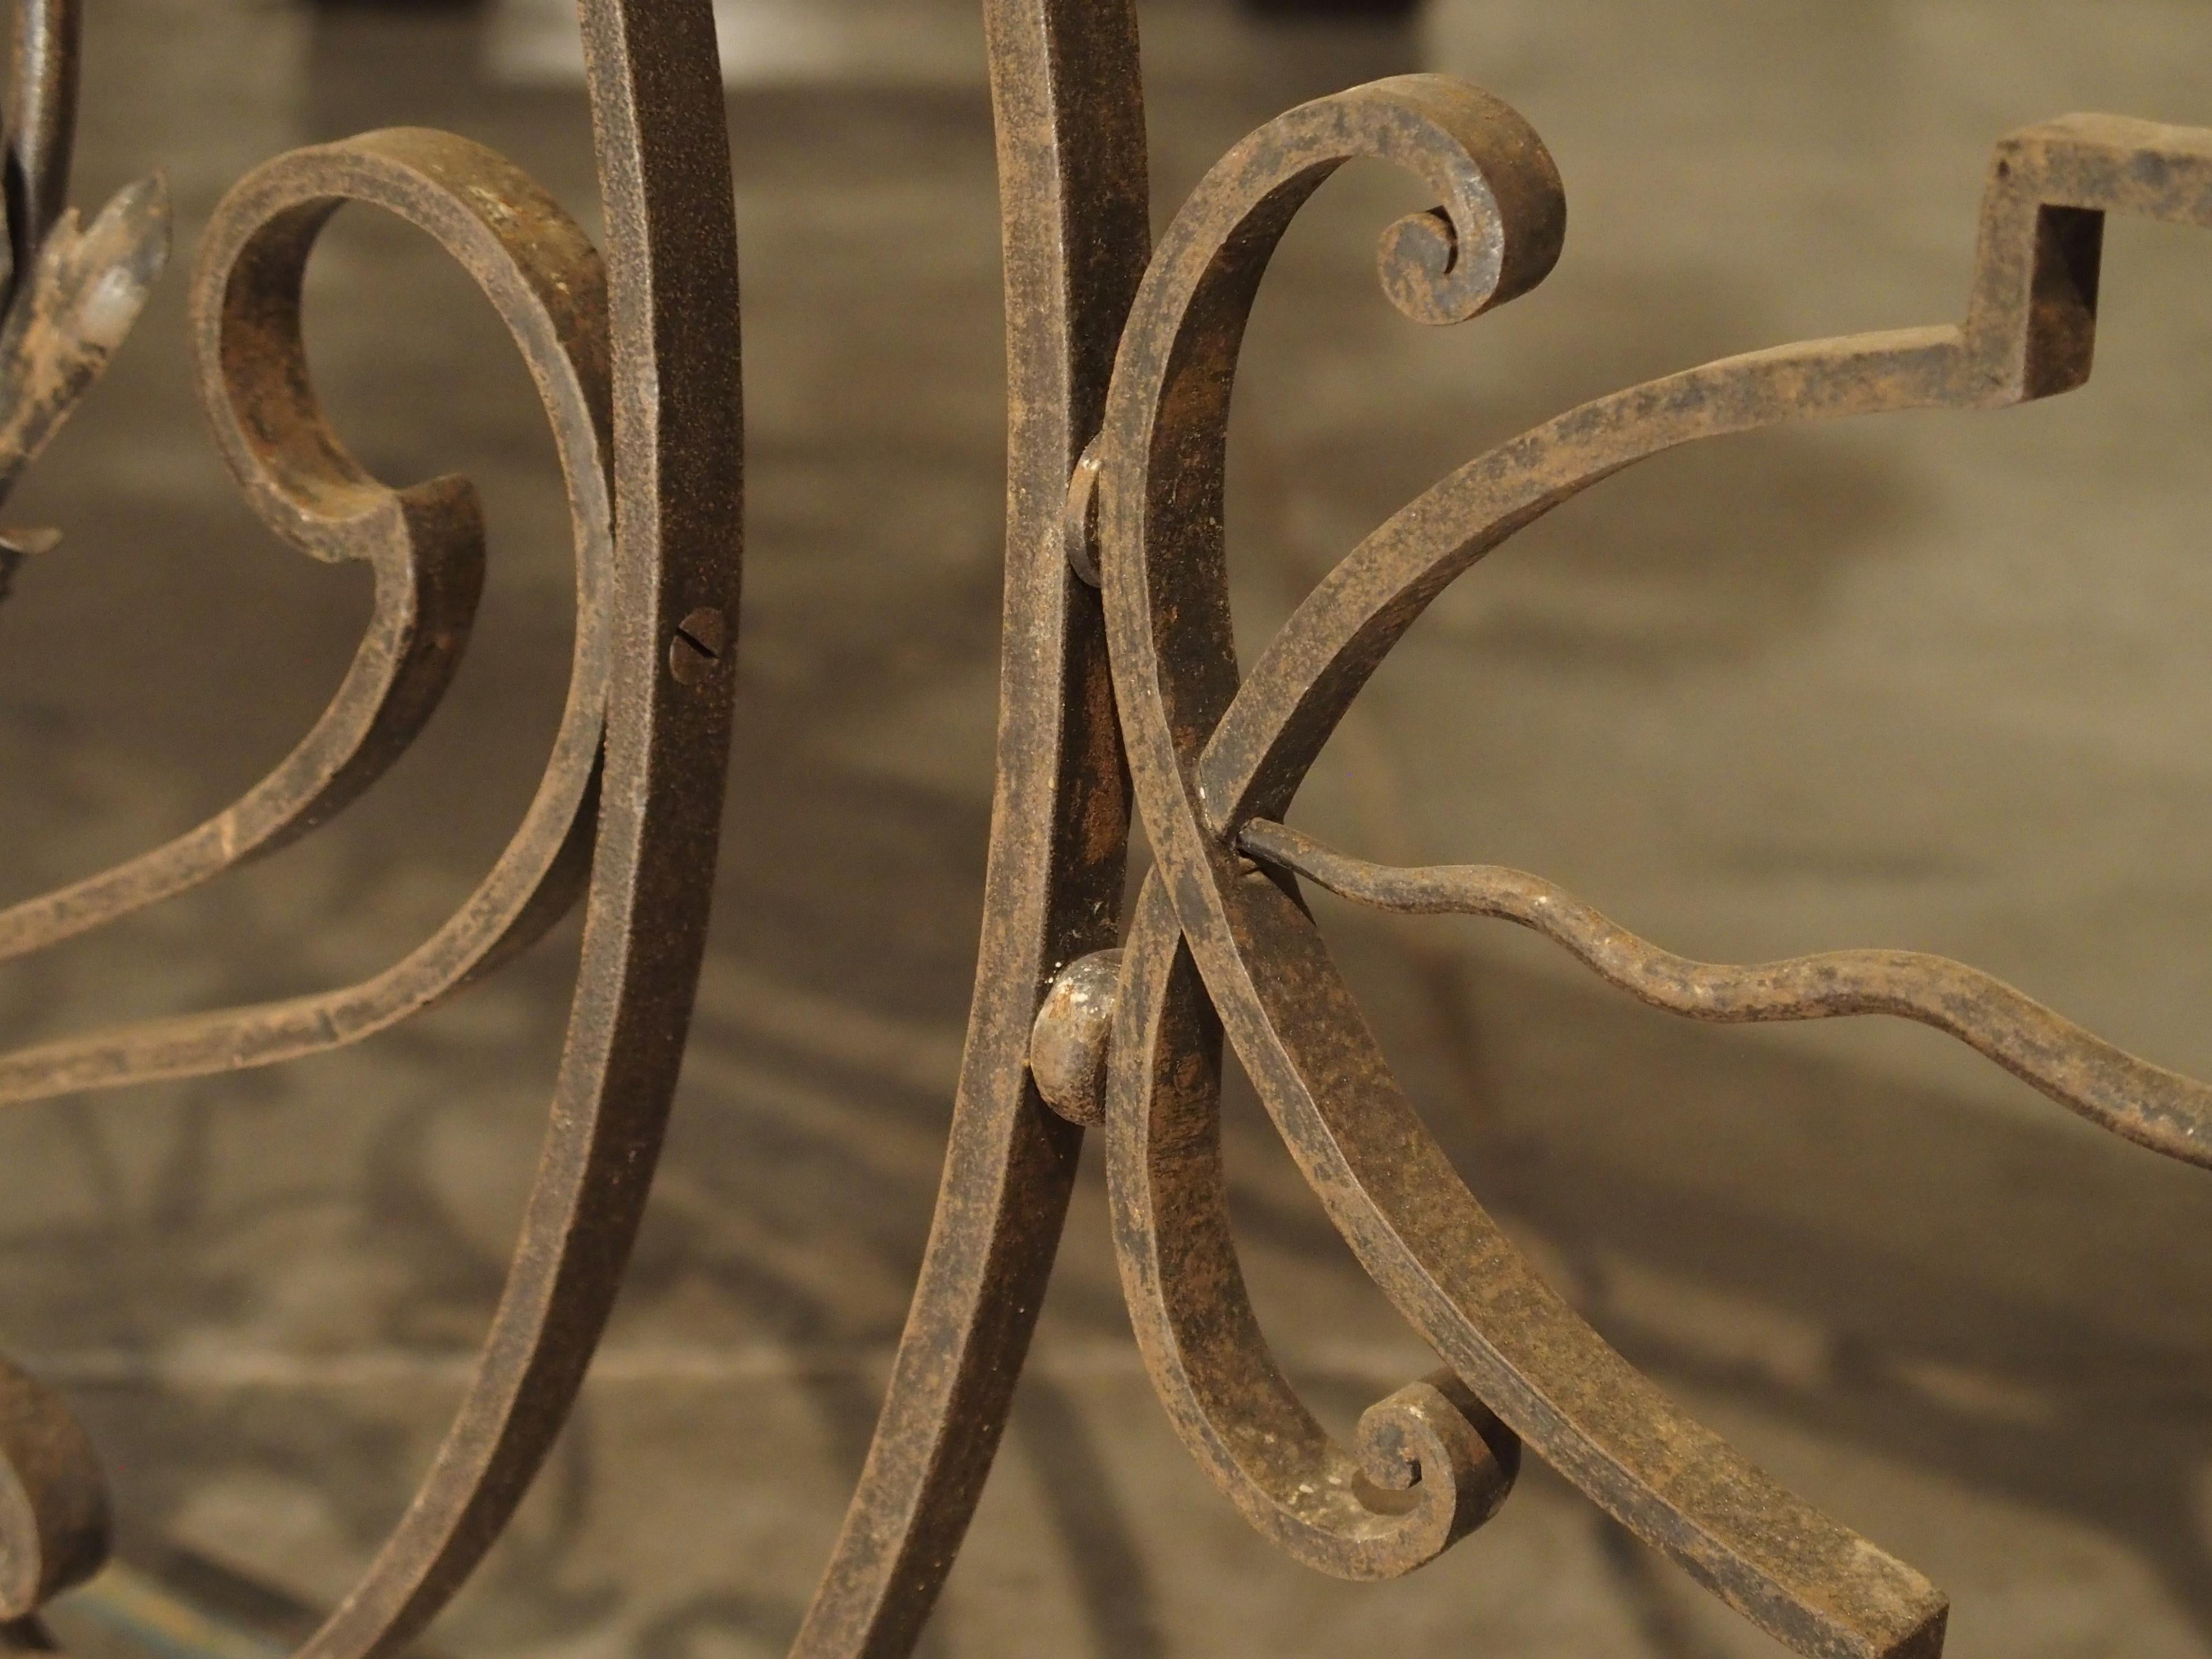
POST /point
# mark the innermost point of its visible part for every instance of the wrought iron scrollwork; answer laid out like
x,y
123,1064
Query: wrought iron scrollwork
x,y
1222,943
637,361
425,545
1120,691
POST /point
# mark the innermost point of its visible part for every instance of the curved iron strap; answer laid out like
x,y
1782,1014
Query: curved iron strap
x,y
663,151
638,366
2030,329
2139,1102
1116,475
1433,1462
425,545
1071,135
1220,945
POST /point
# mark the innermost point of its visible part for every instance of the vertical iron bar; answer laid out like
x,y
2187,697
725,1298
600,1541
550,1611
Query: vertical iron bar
x,y
41,120
1068,100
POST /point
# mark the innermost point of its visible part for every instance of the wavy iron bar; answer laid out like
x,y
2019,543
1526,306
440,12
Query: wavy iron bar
x,y
1120,692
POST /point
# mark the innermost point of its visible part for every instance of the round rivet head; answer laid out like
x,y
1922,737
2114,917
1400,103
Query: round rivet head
x,y
701,640
1067,1044
1078,523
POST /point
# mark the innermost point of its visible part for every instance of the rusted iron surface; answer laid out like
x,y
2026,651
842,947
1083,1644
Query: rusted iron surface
x,y
2145,1103
1070,146
425,545
1119,691
1073,1031
1221,945
637,364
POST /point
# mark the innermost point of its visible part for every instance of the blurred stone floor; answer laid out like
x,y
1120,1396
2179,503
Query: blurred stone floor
x,y
1939,682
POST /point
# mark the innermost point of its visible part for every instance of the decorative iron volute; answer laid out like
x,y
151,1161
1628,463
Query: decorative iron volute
x,y
1121,693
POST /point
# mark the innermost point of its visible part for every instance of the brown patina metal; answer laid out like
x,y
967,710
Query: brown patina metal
x,y
1121,692
637,364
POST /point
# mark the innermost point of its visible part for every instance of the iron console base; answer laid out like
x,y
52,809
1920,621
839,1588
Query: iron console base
x,y
1121,693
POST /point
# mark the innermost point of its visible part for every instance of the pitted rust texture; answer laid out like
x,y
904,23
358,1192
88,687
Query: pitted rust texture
x,y
425,545
1120,686
1069,1042
1222,947
637,363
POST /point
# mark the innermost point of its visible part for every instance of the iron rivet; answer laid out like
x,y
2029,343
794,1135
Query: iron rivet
x,y
698,645
1067,1044
1078,523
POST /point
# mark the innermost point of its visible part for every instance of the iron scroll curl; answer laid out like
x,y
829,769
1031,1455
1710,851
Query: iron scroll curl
x,y
1120,685
1222,945
639,367
1121,488
424,543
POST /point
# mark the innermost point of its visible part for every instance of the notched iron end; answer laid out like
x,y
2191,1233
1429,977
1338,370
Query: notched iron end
x,y
53,1498
1068,1043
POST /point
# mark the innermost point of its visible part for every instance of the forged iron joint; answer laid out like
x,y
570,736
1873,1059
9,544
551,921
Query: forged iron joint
x,y
1068,1043
1078,525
